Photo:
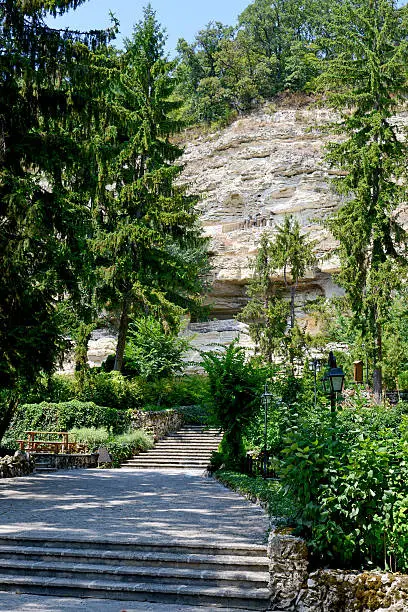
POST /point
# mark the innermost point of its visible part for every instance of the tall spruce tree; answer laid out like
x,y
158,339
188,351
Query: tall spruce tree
x,y
365,82
47,104
148,245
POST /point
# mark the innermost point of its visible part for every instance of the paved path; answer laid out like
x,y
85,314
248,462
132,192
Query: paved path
x,y
128,505
32,603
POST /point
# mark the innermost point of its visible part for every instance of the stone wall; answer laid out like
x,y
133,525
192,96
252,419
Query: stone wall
x,y
62,461
294,589
157,423
20,464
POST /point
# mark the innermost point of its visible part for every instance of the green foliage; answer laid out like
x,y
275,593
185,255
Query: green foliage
x,y
351,484
125,446
49,105
270,493
267,312
64,416
120,447
148,245
92,436
365,81
151,352
235,387
117,391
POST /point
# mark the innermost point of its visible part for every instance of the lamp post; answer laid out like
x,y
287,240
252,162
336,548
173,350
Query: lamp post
x,y
266,400
333,382
315,366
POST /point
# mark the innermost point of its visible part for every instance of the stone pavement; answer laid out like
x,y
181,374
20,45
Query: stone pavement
x,y
33,603
123,505
129,505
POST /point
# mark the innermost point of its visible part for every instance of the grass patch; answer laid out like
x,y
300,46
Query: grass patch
x,y
269,493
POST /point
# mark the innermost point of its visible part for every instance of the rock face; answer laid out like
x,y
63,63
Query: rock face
x,y
249,176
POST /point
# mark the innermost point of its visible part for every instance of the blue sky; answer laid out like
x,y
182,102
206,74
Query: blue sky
x,y
181,18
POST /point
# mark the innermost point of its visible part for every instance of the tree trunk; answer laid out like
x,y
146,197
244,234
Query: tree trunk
x,y
292,306
377,374
123,327
9,408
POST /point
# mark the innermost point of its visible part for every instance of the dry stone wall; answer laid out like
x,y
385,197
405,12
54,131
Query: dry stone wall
x,y
294,589
20,464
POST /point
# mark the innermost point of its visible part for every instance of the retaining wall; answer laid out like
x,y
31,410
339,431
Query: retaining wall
x,y
158,423
294,589
20,464
67,462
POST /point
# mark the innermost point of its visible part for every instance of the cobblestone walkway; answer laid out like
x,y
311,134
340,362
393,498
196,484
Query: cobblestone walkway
x,y
128,504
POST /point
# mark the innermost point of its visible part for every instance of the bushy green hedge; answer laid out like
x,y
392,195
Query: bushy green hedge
x,y
270,493
349,476
117,391
48,416
120,447
125,446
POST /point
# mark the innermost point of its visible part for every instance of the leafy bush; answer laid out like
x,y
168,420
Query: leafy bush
x,y
279,504
92,436
152,352
120,447
113,389
351,483
235,387
125,446
117,391
187,390
64,416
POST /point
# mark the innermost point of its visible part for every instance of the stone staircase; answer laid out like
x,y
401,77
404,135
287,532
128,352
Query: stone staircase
x,y
200,574
43,464
189,447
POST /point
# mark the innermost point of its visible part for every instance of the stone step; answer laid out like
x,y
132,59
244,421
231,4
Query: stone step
x,y
248,599
167,466
229,562
194,452
123,573
98,546
165,463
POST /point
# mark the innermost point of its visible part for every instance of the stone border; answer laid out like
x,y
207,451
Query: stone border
x,y
294,589
20,464
62,461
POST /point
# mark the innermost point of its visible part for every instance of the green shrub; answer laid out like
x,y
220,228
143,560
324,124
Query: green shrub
x,y
117,391
187,390
65,416
351,483
125,446
235,387
92,436
152,352
113,389
279,504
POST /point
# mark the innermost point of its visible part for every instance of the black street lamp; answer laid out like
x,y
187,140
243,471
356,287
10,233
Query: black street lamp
x,y
266,398
333,382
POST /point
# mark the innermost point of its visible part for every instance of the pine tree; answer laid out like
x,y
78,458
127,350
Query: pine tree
x,y
148,245
267,311
46,107
365,82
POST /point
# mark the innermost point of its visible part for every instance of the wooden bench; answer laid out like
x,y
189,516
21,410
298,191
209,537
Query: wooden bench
x,y
34,445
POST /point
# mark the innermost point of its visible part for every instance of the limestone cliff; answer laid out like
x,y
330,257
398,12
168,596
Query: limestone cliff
x,y
249,175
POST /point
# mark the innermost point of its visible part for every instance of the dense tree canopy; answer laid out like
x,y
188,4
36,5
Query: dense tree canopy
x,y
365,82
148,246
47,104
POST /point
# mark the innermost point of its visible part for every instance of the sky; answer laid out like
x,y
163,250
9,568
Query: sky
x,y
180,18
